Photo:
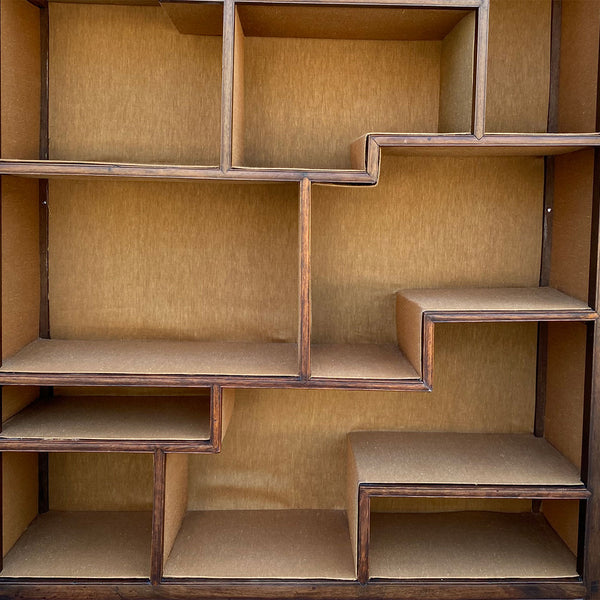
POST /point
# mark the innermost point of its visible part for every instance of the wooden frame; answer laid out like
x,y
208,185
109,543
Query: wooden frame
x,y
365,171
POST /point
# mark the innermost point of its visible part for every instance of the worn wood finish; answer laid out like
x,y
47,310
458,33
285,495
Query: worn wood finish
x,y
227,85
158,517
480,75
216,418
304,310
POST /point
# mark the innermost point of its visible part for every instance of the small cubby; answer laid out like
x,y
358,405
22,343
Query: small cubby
x,y
304,88
195,278
189,419
77,516
125,85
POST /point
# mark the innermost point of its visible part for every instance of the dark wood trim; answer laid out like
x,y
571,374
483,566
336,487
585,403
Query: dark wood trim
x,y
474,491
44,326
282,590
433,4
216,418
364,534
158,517
39,3
555,41
1,514
227,85
304,264
43,483
480,71
83,445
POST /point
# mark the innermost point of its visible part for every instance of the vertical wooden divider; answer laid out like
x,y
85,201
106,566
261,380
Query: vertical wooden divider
x,y
158,517
364,534
480,75
227,84
304,308
216,417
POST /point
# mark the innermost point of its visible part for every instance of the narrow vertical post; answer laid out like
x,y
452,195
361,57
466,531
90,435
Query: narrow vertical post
x,y
227,85
364,534
480,75
158,517
304,309
216,417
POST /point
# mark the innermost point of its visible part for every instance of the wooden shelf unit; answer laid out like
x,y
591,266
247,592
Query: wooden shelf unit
x,y
284,201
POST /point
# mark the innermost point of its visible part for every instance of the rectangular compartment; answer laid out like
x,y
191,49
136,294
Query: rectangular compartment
x,y
195,278
542,66
119,418
81,516
304,79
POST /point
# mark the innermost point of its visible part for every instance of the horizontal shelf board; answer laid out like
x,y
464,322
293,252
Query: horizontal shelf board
x,y
466,545
489,145
154,357
112,417
515,302
360,361
273,544
83,545
390,457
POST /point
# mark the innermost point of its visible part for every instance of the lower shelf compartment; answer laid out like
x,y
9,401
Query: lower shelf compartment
x,y
83,545
467,545
360,361
262,544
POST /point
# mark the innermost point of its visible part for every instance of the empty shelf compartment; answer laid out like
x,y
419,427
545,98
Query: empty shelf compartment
x,y
262,544
467,545
422,458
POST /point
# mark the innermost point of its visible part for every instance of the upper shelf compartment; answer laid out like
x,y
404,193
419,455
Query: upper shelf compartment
x,y
125,85
308,80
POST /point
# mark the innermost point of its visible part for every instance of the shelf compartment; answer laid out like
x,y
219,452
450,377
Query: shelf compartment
x,y
121,421
360,361
83,545
153,358
102,62
77,515
337,49
420,459
262,544
417,310
467,545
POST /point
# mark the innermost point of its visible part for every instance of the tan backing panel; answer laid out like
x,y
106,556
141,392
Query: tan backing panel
x,y
563,516
426,224
438,505
283,544
467,545
196,18
227,406
176,497
352,503
580,31
20,263
571,225
129,391
113,417
107,102
347,22
307,100
82,545
99,481
287,448
19,495
456,77
20,79
565,388
16,398
518,76
206,261
238,125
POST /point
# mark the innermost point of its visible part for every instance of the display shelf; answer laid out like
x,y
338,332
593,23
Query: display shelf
x,y
153,357
463,545
464,459
120,422
262,544
418,310
82,545
337,48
